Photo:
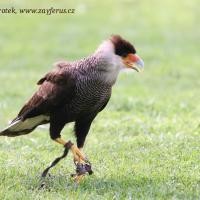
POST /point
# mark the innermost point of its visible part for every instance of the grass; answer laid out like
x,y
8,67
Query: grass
x,y
145,145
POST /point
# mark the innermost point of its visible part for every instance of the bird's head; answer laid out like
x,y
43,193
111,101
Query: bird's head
x,y
126,53
116,54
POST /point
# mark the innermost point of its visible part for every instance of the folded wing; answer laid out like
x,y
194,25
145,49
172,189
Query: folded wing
x,y
55,89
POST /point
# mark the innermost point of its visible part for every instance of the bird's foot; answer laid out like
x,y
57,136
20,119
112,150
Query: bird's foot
x,y
81,170
83,166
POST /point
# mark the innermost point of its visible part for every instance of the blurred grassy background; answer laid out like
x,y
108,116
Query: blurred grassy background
x,y
151,125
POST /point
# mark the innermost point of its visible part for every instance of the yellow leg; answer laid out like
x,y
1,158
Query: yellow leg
x,y
60,141
78,155
79,158
77,179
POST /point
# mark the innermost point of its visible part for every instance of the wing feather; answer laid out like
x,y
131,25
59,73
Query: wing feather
x,y
56,88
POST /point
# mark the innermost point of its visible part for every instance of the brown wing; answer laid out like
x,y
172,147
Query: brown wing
x,y
56,89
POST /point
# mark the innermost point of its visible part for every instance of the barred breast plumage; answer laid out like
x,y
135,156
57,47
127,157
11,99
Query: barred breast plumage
x,y
91,92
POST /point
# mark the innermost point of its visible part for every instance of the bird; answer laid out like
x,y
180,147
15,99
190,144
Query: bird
x,y
76,91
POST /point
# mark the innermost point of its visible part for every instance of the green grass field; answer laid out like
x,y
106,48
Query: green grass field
x,y
146,143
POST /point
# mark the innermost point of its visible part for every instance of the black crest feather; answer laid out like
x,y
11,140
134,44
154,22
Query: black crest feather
x,y
122,47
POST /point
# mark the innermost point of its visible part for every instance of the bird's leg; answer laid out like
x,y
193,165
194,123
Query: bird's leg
x,y
60,141
78,155
82,164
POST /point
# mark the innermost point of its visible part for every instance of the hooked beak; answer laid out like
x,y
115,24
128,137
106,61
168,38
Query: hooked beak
x,y
133,61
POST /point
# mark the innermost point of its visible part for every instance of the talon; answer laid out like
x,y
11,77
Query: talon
x,y
88,168
78,178
82,169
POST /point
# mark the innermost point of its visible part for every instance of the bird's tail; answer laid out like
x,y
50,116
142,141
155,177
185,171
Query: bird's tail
x,y
20,127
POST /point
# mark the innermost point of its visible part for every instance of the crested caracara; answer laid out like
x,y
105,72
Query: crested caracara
x,y
76,92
